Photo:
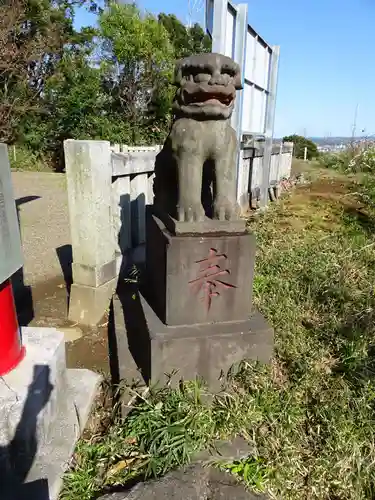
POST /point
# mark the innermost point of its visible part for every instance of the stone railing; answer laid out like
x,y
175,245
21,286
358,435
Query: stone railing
x,y
251,172
108,190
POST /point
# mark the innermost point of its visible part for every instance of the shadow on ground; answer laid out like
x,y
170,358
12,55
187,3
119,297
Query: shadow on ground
x,y
22,292
65,256
16,460
137,340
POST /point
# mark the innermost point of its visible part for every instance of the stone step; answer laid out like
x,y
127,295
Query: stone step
x,y
31,394
44,410
54,457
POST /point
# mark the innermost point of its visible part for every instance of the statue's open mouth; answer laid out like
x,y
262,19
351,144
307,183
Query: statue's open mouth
x,y
202,98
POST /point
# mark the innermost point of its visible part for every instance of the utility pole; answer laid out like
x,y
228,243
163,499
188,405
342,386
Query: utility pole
x,y
354,127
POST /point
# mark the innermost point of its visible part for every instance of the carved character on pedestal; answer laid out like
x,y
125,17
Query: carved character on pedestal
x,y
196,170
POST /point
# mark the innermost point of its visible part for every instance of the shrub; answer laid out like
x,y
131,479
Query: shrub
x,y
22,159
357,157
336,161
300,143
364,158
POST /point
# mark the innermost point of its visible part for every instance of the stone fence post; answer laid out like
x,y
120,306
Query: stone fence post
x,y
89,171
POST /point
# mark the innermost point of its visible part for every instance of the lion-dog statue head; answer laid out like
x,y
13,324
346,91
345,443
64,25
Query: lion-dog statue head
x,y
207,85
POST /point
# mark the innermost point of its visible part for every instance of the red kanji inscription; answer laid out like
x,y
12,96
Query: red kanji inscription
x,y
208,280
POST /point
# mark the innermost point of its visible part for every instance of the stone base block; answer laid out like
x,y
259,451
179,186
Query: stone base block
x,y
149,348
94,275
44,410
87,304
207,226
200,277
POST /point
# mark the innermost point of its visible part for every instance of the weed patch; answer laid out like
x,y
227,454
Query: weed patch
x,y
310,414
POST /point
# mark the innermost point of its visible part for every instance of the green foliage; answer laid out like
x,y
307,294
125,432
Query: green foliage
x,y
316,286
34,33
300,143
367,191
185,41
170,426
337,161
252,471
22,159
138,57
110,82
76,100
133,40
162,432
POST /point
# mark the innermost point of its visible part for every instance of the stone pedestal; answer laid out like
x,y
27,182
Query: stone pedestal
x,y
150,349
194,315
199,277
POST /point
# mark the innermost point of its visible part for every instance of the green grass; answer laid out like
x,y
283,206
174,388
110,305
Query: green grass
x,y
311,413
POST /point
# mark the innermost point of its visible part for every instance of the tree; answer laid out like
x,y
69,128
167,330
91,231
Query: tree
x,y
138,57
300,143
111,82
200,41
185,40
33,34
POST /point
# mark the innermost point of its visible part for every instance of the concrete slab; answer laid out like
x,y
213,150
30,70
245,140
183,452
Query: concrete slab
x,y
53,459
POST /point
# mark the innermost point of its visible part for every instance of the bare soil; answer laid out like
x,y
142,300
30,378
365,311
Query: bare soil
x,y
49,304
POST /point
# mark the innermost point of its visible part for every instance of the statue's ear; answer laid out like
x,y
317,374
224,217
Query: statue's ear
x,y
177,75
238,81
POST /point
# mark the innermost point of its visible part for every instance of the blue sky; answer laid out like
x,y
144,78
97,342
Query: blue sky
x,y
327,60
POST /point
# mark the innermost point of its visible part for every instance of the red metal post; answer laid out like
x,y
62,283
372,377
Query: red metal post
x,y
11,350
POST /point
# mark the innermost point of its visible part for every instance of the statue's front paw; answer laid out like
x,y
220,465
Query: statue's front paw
x,y
226,210
190,212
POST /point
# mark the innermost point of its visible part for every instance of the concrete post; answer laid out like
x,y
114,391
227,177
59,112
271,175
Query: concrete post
x,y
11,350
89,172
270,120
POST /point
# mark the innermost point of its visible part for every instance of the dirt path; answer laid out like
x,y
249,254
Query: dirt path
x,y
41,287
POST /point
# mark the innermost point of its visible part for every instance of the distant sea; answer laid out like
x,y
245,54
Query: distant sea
x,y
333,140
320,141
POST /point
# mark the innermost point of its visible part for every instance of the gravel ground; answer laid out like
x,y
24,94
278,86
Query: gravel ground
x,y
43,210
42,203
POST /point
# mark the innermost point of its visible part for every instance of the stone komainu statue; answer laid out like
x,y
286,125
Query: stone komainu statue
x,y
196,170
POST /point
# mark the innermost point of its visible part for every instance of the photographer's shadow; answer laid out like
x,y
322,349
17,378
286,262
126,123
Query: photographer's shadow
x,y
17,459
